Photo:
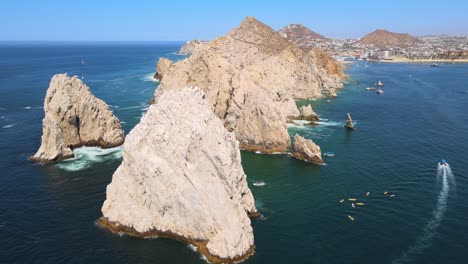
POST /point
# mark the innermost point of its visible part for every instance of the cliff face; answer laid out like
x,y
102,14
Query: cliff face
x,y
181,177
384,38
189,46
73,118
300,35
249,76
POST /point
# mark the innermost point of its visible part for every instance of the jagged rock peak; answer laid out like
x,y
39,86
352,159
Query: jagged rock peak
x,y
181,177
74,117
307,150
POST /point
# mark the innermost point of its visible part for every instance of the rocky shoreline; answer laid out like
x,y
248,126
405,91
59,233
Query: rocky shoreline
x,y
200,245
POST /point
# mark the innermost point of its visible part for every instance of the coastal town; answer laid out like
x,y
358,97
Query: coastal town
x,y
383,45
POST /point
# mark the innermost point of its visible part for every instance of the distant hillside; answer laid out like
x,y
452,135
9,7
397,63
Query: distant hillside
x,y
384,38
300,35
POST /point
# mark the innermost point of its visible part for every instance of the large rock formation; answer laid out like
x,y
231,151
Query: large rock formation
x,y
301,35
307,150
181,177
383,38
349,122
74,117
189,46
251,77
163,65
306,113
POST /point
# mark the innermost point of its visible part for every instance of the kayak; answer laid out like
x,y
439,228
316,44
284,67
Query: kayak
x,y
351,218
367,193
342,200
360,204
352,199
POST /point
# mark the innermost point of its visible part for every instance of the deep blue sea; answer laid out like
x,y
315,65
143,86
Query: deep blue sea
x,y
48,213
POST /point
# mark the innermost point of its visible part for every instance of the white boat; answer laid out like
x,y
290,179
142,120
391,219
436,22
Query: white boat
x,y
369,88
259,183
379,91
329,154
328,101
379,83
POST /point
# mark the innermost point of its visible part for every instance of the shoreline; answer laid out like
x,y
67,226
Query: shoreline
x,y
406,60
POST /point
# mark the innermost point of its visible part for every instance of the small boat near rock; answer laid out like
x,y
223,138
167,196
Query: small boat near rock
x,y
259,183
329,154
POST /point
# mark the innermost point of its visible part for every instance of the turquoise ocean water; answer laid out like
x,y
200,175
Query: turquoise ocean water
x,y
48,213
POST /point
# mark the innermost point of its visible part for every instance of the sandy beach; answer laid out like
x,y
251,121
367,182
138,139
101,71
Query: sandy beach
x,y
406,60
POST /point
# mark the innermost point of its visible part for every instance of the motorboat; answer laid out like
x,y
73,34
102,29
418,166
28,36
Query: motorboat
x,y
352,204
435,65
379,83
379,91
443,162
259,183
370,88
329,154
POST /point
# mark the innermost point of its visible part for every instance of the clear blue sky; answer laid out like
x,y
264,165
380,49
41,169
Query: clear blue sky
x,y
184,20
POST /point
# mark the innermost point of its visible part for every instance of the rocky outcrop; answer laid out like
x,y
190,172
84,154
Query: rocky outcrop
x,y
349,122
189,46
306,113
307,150
332,93
181,177
251,77
162,67
74,117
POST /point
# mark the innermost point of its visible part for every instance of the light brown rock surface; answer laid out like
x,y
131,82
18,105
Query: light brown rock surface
x,y
74,117
307,113
162,67
307,150
181,177
189,46
250,77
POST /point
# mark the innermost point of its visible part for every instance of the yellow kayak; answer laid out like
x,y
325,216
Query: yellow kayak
x,y
385,193
352,199
351,218
360,204
342,200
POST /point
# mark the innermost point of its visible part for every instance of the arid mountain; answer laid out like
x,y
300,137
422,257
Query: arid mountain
x,y
385,38
300,35
251,77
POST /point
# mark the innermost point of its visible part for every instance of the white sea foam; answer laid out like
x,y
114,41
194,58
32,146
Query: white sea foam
x,y
130,107
424,241
149,78
330,123
192,247
85,157
8,126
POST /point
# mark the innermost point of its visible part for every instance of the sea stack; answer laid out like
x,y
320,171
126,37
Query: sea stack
x,y
307,150
349,122
251,77
308,114
74,117
181,177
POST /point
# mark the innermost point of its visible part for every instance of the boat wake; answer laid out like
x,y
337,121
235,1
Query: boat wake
x,y
424,241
